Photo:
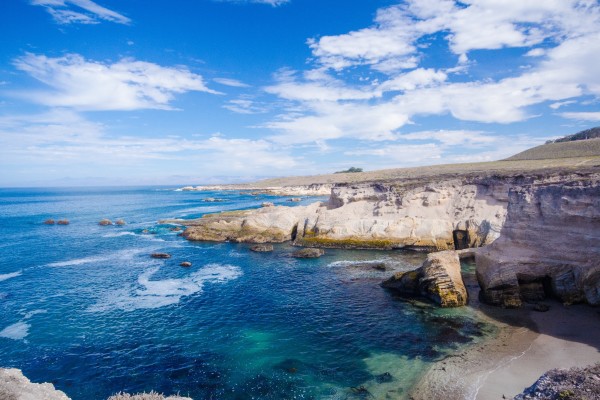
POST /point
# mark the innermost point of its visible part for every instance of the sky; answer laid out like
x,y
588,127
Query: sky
x,y
139,92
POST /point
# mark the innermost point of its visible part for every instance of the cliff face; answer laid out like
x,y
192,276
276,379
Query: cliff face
x,y
438,216
549,245
15,386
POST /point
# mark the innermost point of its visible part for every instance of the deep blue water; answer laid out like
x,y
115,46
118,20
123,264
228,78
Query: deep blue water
x,y
86,308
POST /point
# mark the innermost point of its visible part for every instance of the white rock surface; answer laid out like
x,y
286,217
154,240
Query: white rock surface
x,y
15,386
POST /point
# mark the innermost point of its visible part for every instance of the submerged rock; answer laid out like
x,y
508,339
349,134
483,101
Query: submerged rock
x,y
439,279
262,248
186,264
15,386
105,222
63,221
49,222
120,222
308,253
160,255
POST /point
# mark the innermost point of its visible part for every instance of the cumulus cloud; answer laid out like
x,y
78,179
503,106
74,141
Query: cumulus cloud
x,y
562,35
91,85
80,11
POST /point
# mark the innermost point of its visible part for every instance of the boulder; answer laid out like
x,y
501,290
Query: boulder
x,y
308,253
49,222
160,255
295,199
262,248
63,221
120,222
186,264
439,279
15,386
105,222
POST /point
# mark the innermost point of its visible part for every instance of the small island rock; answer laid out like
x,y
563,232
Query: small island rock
x,y
160,255
186,264
49,222
308,253
105,222
262,248
267,204
63,221
120,222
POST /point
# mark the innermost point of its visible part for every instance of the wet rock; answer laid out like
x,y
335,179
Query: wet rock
x,y
295,199
49,222
105,222
160,255
574,383
308,253
15,386
267,204
186,264
439,279
145,396
63,221
120,222
384,378
212,200
176,229
262,248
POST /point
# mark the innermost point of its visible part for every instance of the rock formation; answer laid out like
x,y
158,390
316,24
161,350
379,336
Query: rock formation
x,y
308,253
186,264
434,215
160,255
49,222
15,386
439,279
63,221
262,248
549,245
105,222
574,383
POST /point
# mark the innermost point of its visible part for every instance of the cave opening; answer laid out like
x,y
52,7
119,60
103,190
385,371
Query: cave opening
x,y
461,239
294,232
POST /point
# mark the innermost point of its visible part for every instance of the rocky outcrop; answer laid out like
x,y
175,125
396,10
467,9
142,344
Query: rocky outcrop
x,y
308,253
146,396
574,383
439,279
160,255
15,386
435,215
105,222
262,248
549,245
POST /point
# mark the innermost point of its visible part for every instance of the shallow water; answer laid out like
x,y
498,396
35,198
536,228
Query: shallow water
x,y
86,308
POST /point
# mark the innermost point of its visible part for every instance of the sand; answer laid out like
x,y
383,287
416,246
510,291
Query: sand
x,y
528,344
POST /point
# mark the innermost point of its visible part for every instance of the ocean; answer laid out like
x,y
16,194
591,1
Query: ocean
x,y
86,308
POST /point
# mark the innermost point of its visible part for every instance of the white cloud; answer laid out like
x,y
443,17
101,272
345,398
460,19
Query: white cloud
x,y
453,138
90,85
582,116
230,82
80,11
402,153
273,3
559,104
245,106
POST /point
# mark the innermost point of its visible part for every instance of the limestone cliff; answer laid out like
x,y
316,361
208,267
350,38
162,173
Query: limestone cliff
x,y
433,215
15,386
549,245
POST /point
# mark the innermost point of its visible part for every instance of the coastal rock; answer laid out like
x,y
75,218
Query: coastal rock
x,y
295,199
186,264
105,222
120,222
15,386
308,253
436,215
549,245
160,255
439,279
267,204
49,222
62,222
146,396
574,383
262,248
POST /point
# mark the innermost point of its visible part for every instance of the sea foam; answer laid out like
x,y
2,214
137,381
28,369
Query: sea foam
x,y
148,293
118,255
11,275
17,331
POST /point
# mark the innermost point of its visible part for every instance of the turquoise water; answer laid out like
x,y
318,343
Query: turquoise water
x,y
86,308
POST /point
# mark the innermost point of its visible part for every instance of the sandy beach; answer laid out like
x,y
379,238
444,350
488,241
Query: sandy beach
x,y
528,344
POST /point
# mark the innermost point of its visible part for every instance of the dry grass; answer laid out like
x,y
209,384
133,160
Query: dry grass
x,y
578,148
446,171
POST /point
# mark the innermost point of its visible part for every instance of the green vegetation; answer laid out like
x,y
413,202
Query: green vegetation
x,y
583,135
561,149
350,170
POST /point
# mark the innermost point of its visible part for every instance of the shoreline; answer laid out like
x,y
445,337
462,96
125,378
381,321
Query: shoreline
x,y
527,345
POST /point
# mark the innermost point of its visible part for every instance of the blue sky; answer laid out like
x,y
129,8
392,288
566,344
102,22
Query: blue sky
x,y
102,92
